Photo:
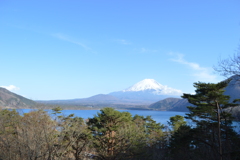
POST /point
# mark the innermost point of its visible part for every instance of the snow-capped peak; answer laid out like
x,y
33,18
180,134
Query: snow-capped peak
x,y
151,84
145,85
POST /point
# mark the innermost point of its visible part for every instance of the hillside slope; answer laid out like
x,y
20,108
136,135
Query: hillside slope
x,y
12,100
171,104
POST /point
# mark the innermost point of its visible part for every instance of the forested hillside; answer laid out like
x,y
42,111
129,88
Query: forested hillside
x,y
171,104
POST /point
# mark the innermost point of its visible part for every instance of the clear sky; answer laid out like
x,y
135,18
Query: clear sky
x,y
65,49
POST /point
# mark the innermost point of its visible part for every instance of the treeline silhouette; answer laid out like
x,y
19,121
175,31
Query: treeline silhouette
x,y
115,135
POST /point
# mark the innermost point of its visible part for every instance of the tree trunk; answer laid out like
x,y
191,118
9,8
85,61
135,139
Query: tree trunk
x,y
219,131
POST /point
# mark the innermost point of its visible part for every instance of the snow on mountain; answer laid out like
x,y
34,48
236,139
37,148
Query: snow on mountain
x,y
143,93
151,84
147,91
144,85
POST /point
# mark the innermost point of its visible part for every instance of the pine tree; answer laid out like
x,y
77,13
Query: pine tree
x,y
104,127
176,122
210,103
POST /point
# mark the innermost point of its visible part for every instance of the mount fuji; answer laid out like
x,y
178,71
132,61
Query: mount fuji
x,y
146,94
146,91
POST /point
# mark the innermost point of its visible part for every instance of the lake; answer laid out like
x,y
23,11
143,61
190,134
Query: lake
x,y
159,116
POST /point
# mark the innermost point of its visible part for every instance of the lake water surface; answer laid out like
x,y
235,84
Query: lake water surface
x,y
159,116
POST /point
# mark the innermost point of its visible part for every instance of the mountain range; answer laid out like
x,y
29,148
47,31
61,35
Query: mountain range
x,y
150,94
146,94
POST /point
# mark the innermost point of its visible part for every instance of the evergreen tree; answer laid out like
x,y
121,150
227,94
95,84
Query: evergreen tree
x,y
210,116
153,130
176,122
104,127
74,137
155,137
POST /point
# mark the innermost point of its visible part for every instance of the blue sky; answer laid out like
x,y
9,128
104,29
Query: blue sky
x,y
58,49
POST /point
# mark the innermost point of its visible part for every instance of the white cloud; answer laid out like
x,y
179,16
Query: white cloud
x,y
203,74
170,91
123,41
71,40
11,88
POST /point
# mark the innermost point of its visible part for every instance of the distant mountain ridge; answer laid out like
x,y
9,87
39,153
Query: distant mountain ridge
x,y
11,100
144,92
148,93
100,98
